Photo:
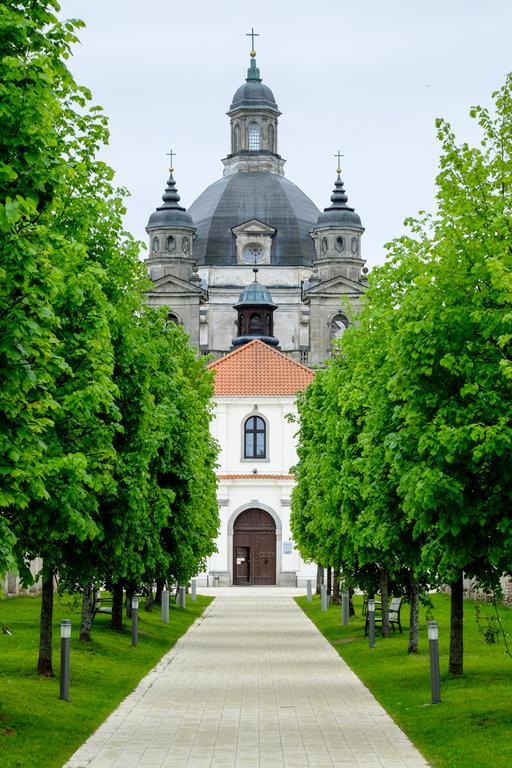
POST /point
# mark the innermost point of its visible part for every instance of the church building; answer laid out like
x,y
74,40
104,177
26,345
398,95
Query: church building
x,y
261,280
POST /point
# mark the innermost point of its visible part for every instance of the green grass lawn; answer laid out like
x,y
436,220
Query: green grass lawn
x,y
471,728
36,728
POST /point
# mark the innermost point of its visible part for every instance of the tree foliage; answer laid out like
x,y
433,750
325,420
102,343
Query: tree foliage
x,y
107,462
405,437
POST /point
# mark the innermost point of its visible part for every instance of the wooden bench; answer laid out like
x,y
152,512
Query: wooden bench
x,y
395,606
101,605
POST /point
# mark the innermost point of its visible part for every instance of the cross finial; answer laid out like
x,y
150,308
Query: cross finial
x,y
252,34
339,156
171,154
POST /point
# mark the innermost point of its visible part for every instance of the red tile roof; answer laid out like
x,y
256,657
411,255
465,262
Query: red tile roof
x,y
253,476
257,369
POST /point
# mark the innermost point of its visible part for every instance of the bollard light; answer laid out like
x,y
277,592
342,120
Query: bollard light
x,y
433,647
309,590
323,597
193,589
371,623
135,621
165,606
65,647
65,629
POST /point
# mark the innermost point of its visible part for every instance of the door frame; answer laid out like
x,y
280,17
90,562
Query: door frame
x,y
255,504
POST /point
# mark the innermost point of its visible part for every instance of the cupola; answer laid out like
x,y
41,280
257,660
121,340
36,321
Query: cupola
x,y
255,310
337,237
253,120
171,234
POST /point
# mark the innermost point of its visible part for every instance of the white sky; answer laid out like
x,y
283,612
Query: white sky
x,y
365,76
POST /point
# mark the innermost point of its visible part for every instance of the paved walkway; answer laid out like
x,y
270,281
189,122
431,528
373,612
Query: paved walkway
x,y
252,684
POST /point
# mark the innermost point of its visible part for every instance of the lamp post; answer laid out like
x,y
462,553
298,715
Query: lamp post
x,y
65,647
165,606
371,623
135,620
433,646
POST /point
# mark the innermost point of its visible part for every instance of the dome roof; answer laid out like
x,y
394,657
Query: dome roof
x,y
170,214
253,93
339,214
255,293
261,195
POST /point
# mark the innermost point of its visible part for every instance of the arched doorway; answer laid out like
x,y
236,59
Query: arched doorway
x,y
254,548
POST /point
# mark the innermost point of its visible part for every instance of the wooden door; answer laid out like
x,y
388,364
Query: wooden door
x,y
254,548
242,565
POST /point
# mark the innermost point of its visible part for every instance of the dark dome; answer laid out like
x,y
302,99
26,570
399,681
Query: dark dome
x,y
261,195
339,214
170,214
255,293
254,94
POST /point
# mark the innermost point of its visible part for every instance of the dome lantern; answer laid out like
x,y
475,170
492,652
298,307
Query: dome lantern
x,y
255,310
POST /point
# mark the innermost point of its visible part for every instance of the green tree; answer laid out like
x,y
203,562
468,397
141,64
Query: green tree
x,y
452,361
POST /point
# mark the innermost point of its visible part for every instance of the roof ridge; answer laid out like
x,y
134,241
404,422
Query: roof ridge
x,y
231,354
268,348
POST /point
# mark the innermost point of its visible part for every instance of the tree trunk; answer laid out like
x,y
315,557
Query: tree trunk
x,y
351,610
44,662
149,602
456,666
319,578
160,584
117,606
329,580
87,609
414,614
384,602
336,587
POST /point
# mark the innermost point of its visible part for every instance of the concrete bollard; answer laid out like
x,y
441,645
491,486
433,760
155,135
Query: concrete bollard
x,y
182,599
433,646
371,623
65,648
193,589
323,597
165,606
309,591
345,604
135,621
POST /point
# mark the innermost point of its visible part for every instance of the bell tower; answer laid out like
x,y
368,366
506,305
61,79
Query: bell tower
x,y
253,122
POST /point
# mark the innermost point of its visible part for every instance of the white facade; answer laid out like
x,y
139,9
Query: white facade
x,y
256,483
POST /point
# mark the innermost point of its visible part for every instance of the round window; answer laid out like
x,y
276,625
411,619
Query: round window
x,y
253,253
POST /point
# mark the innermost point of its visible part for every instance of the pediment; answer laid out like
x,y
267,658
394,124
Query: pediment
x,y
254,227
335,286
170,284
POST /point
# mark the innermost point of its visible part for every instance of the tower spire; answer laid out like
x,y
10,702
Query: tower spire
x,y
253,73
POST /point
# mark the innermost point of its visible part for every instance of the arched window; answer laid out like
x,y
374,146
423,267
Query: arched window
x,y
236,139
254,137
271,134
339,325
255,438
172,318
255,323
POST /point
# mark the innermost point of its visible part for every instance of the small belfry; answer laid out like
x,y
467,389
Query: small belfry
x,y
255,310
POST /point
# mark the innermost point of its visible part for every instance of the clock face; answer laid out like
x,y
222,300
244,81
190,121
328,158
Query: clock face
x,y
253,253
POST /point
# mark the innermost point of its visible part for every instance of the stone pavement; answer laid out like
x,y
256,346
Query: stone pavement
x,y
252,684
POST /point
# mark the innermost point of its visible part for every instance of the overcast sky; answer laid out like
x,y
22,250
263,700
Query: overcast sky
x,y
367,76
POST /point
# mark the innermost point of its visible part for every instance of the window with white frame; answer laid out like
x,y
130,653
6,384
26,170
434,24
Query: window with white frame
x,y
254,137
